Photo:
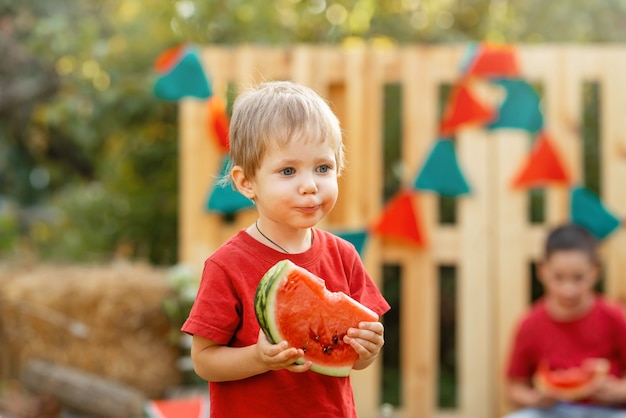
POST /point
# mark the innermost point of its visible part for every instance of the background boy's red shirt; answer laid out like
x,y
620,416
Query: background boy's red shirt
x,y
601,333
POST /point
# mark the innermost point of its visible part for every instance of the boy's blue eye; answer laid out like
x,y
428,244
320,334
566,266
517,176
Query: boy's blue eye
x,y
324,168
288,171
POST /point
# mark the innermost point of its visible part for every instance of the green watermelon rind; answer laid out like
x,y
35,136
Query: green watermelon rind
x,y
266,297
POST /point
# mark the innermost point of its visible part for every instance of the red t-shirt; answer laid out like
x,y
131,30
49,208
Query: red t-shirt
x,y
224,312
601,333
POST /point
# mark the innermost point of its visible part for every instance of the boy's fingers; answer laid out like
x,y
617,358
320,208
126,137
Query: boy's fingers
x,y
367,335
376,327
299,368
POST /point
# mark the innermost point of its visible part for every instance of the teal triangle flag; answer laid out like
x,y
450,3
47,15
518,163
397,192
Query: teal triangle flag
x,y
186,79
224,198
356,238
588,211
520,108
441,172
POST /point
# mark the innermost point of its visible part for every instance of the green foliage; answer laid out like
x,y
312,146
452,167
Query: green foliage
x,y
83,224
107,148
183,282
9,229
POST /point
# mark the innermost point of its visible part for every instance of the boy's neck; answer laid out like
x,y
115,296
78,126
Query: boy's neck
x,y
281,243
564,314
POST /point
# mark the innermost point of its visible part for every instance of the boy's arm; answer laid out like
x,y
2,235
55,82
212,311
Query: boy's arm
x,y
219,363
524,395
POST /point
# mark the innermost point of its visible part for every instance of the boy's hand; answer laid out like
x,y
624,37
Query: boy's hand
x,y
522,394
367,340
609,390
542,400
279,356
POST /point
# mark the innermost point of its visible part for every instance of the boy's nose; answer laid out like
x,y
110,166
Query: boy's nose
x,y
569,289
308,185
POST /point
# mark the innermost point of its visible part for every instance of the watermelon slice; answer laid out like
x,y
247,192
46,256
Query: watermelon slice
x,y
293,305
573,383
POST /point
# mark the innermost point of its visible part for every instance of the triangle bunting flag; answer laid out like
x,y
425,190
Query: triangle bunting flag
x,y
441,172
399,221
224,198
588,211
181,76
542,167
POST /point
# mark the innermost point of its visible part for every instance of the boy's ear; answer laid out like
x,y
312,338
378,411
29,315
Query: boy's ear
x,y
597,270
541,270
241,182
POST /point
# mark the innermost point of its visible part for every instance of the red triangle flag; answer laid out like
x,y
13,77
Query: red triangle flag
x,y
495,60
219,121
194,407
399,220
168,58
542,166
463,109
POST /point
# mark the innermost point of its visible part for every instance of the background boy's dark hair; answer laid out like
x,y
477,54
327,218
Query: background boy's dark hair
x,y
571,237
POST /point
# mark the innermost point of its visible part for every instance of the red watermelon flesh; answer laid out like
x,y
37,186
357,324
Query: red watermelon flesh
x,y
572,383
293,304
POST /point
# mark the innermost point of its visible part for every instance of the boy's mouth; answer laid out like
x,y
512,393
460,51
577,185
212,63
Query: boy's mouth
x,y
309,208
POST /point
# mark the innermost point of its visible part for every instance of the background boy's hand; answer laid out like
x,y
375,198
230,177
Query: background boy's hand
x,y
367,340
279,356
523,394
609,390
543,400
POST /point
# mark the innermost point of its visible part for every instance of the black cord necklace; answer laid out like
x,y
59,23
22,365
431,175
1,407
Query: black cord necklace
x,y
256,224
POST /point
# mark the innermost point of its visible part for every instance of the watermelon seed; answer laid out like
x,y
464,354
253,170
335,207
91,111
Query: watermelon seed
x,y
327,349
313,335
335,339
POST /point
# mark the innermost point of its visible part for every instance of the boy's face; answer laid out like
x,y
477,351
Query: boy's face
x,y
568,278
295,186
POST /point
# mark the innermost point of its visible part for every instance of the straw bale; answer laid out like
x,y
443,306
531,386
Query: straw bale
x,y
106,320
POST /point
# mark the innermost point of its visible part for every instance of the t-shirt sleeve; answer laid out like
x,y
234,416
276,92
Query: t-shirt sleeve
x,y
620,335
364,290
215,312
520,364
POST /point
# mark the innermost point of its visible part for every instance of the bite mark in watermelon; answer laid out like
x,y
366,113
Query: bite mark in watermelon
x,y
573,383
293,305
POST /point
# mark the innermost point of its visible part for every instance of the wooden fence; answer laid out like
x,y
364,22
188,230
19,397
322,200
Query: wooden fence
x,y
492,241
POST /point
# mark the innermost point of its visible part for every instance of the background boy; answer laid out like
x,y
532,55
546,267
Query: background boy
x,y
568,325
286,155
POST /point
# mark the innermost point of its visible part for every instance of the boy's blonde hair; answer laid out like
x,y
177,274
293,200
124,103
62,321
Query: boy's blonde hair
x,y
275,113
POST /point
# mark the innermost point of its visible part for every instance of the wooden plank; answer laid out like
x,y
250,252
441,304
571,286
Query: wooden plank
x,y
418,321
372,144
510,265
420,283
352,198
475,278
563,112
613,174
445,245
198,164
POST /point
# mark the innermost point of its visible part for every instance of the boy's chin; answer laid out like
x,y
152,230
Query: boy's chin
x,y
572,308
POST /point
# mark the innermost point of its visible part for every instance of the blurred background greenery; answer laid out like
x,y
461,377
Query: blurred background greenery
x,y
88,156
